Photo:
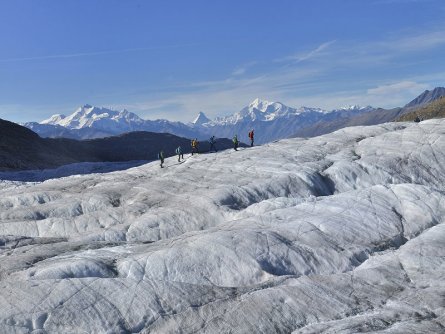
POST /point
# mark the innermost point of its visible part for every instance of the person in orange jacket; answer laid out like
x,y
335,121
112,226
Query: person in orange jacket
x,y
195,146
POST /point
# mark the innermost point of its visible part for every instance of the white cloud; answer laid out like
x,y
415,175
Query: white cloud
x,y
223,97
425,41
293,86
94,53
308,55
394,94
387,51
243,69
397,88
239,71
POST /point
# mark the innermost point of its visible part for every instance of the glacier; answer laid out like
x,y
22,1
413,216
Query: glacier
x,y
340,233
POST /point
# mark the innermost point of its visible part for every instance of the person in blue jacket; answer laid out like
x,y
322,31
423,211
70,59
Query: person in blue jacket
x,y
179,153
161,158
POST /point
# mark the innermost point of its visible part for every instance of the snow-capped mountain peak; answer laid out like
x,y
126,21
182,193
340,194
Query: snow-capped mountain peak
x,y
351,107
264,110
355,107
201,119
261,105
88,116
54,119
267,106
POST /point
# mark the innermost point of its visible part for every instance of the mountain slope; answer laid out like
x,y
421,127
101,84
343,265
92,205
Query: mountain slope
x,y
338,233
435,109
373,117
21,148
426,97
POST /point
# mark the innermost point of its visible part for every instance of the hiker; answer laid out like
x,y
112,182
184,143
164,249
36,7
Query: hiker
x,y
251,138
179,153
195,146
235,143
212,142
417,119
161,157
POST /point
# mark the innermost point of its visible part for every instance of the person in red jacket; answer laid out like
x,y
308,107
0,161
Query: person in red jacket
x,y
251,137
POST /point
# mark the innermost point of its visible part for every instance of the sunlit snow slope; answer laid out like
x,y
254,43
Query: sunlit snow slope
x,y
341,233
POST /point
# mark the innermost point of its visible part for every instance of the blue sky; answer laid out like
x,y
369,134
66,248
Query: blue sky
x,y
171,59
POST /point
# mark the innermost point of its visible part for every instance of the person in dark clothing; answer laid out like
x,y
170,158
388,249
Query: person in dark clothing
x,y
161,158
179,153
235,143
212,142
251,138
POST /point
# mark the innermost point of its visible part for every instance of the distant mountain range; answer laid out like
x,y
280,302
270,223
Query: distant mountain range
x,y
89,122
274,120
270,120
21,148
